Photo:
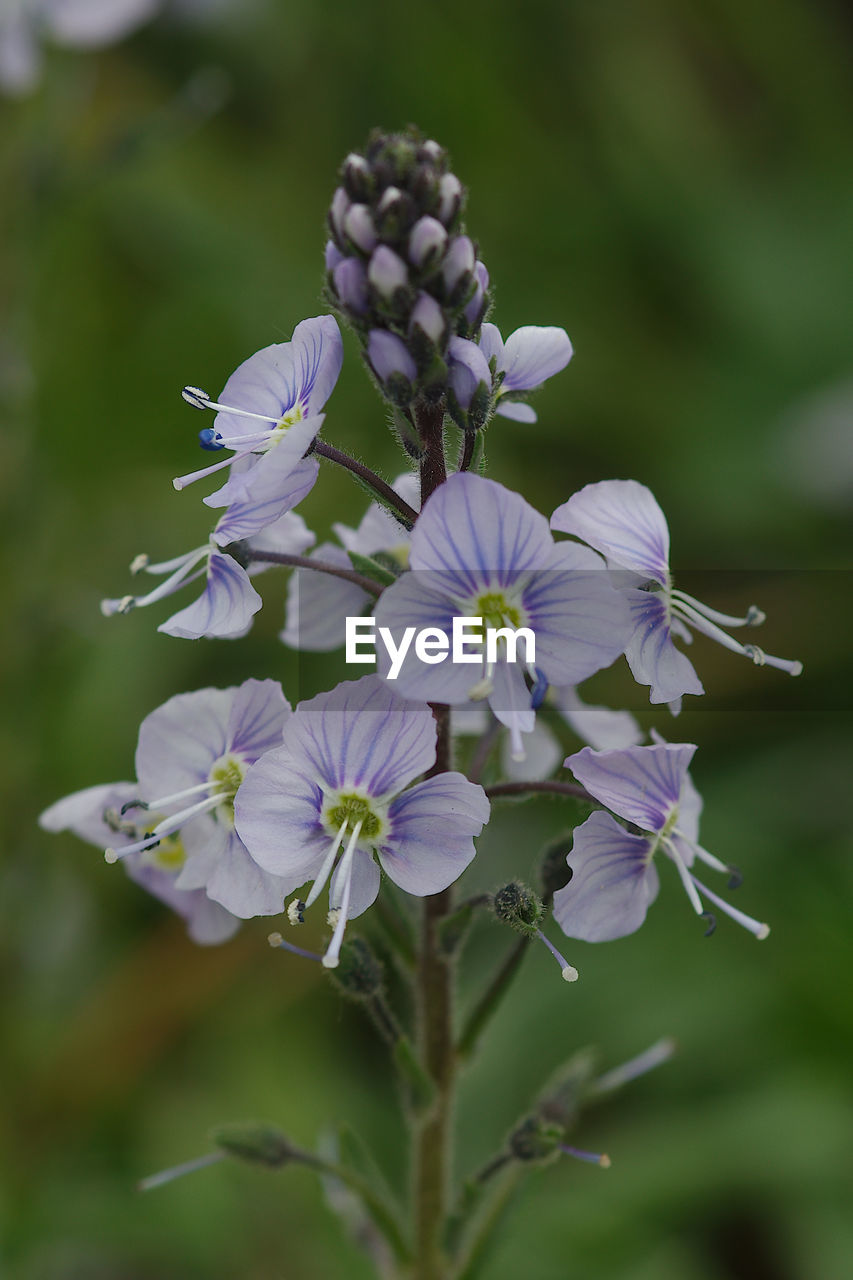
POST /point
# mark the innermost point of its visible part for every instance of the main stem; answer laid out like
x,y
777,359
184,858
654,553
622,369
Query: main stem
x,y
432,1136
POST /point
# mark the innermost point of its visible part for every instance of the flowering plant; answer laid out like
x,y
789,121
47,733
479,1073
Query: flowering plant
x,y
243,802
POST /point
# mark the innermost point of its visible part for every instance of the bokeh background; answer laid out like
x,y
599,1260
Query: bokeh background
x,y
671,182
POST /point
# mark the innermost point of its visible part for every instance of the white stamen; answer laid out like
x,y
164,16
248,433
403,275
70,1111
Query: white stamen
x,y
181,482
754,616
332,956
792,666
295,911
679,607
201,400
703,854
755,927
167,827
568,972
326,868
180,795
167,566
686,879
659,1052
516,745
183,574
178,1171
138,563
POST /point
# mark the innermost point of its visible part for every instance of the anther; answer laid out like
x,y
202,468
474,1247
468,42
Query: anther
x,y
568,972
539,690
210,439
125,604
296,911
132,804
757,655
198,398
735,877
140,562
755,616
712,923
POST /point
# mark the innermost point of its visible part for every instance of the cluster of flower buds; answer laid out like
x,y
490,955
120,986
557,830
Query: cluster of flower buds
x,y
402,272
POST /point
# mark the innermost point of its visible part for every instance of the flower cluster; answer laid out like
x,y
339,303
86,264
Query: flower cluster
x,y
240,800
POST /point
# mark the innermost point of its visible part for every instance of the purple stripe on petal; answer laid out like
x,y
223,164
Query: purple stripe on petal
x,y
224,609
258,715
179,741
534,353
642,784
651,654
613,882
622,520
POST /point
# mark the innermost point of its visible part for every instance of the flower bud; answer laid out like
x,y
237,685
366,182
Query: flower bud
x,y
535,1140
427,242
355,172
359,227
387,272
340,204
358,974
395,213
457,270
258,1143
520,908
393,364
476,308
428,317
350,280
469,370
333,255
449,197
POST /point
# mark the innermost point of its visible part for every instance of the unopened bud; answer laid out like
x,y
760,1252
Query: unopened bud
x,y
355,172
469,371
458,270
387,272
359,227
358,973
340,204
476,308
449,198
333,255
520,908
258,1143
428,317
427,242
535,1140
350,280
393,364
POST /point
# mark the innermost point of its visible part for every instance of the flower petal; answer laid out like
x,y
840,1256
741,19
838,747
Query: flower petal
x,y
207,922
244,520
542,755
224,609
318,604
642,784
651,654
272,472
612,885
362,735
517,410
599,727
534,353
83,812
622,520
364,887
219,862
421,600
277,816
179,741
491,344
431,840
258,715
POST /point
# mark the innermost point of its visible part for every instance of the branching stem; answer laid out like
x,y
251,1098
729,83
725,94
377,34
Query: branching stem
x,y
380,487
319,566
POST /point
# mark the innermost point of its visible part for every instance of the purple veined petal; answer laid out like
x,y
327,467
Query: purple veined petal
x,y
83,811
542,755
364,887
318,354
510,701
612,886
272,499
277,813
89,24
477,532
533,354
642,784
318,605
599,727
491,344
207,922
517,410
258,715
417,601
622,520
219,862
272,472
651,654
580,622
224,609
180,741
361,734
431,838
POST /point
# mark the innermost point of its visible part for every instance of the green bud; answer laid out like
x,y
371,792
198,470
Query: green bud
x,y
534,1139
520,908
256,1142
359,975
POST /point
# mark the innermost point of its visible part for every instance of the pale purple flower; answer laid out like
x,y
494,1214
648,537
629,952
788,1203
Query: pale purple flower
x,y
192,756
319,604
530,356
614,879
479,550
450,197
341,781
350,280
622,520
387,272
95,815
458,264
229,601
270,413
428,316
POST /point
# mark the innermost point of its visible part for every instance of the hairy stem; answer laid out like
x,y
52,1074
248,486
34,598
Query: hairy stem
x,y
319,566
534,788
379,486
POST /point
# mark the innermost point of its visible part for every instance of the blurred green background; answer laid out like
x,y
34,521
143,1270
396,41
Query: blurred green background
x,y
672,182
